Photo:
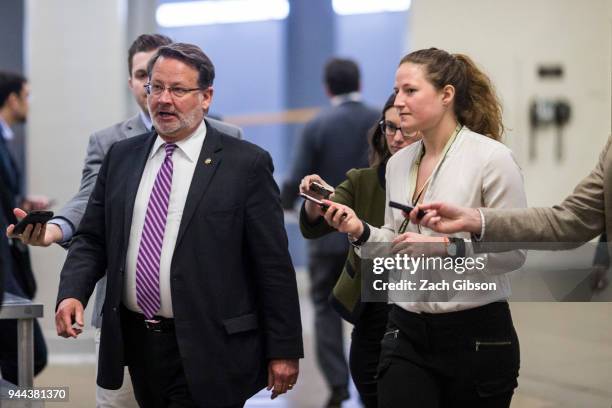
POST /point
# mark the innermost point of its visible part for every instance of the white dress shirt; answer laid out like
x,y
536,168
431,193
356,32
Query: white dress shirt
x,y
477,171
7,132
184,160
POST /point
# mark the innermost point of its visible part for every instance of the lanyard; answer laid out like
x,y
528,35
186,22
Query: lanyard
x,y
414,171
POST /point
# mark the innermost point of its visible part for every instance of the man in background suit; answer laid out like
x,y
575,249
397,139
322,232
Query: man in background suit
x,y
583,215
201,299
18,277
332,143
61,228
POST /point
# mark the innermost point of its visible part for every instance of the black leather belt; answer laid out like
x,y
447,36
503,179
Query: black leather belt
x,y
157,324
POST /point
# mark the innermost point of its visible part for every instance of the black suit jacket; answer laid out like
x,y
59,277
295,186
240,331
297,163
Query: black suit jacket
x,y
331,144
16,263
234,292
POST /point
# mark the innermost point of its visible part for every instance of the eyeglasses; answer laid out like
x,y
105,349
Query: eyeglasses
x,y
157,90
389,128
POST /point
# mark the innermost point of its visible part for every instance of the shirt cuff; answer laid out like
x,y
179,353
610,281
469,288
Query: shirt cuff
x,y
480,237
66,228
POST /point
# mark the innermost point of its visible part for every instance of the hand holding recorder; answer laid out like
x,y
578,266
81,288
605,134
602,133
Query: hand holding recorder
x,y
314,189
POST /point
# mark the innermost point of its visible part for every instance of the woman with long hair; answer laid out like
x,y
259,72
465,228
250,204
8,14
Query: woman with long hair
x,y
459,347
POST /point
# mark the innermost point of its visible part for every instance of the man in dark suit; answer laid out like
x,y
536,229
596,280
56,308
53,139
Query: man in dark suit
x,y
332,143
62,227
18,277
201,299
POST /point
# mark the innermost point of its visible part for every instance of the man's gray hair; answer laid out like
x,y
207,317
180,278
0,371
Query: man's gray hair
x,y
191,55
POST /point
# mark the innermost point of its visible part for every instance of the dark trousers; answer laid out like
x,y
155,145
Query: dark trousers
x,y
8,350
8,332
324,272
365,351
155,365
466,359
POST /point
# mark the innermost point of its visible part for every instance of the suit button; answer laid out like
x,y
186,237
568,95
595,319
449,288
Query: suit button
x,y
115,309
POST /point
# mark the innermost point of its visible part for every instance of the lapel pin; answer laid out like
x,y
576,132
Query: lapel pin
x,y
208,161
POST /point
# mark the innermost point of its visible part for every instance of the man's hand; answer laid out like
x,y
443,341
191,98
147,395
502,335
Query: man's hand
x,y
69,312
282,376
36,235
448,218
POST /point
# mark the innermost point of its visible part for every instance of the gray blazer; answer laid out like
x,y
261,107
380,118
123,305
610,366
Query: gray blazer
x,y
99,144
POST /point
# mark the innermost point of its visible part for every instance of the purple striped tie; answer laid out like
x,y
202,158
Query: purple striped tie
x,y
149,253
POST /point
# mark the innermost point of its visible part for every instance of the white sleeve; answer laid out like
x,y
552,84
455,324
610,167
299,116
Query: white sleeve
x,y
502,187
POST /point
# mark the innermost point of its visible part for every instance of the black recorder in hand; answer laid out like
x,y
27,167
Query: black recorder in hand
x,y
33,218
406,208
319,202
320,189
314,200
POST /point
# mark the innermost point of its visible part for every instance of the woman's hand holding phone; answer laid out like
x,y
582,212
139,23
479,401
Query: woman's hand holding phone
x,y
314,210
343,218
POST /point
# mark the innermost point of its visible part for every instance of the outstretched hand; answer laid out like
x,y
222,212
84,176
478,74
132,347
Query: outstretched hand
x,y
447,218
35,235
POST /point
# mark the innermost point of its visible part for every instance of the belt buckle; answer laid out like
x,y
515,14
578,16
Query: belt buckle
x,y
153,325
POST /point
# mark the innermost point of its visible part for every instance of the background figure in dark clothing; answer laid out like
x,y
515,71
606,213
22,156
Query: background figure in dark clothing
x,y
331,144
18,277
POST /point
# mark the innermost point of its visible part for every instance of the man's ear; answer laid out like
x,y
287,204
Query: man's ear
x,y
13,100
207,98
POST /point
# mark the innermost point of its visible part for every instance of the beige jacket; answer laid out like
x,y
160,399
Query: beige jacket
x,y
586,213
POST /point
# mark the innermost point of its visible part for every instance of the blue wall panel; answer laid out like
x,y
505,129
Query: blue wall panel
x,y
377,43
249,61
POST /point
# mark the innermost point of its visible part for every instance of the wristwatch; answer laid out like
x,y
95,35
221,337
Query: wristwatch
x,y
451,248
455,247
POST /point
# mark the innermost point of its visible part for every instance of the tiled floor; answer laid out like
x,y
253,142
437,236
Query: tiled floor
x,y
566,354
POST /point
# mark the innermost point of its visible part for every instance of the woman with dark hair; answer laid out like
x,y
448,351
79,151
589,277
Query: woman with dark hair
x,y
455,347
363,190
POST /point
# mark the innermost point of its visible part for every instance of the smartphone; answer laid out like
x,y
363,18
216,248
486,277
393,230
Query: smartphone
x,y
34,217
406,208
320,189
314,200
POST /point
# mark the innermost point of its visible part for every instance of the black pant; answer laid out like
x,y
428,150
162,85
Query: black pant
x,y
8,350
466,359
365,351
155,365
324,272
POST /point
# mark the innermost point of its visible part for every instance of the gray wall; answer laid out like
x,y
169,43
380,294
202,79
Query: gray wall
x,y
509,39
77,68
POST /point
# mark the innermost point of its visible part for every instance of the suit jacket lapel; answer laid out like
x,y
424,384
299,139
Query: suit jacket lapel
x,y
139,156
206,166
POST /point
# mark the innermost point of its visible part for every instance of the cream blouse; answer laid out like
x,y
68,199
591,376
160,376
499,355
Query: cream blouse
x,y
477,171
